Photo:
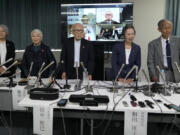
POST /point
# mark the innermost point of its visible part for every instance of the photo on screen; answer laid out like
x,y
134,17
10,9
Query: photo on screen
x,y
101,22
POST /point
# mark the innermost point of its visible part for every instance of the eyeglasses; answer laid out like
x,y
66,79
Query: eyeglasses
x,y
78,30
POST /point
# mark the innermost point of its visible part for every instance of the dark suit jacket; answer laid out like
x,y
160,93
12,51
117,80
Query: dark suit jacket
x,y
43,55
67,58
10,54
105,22
119,58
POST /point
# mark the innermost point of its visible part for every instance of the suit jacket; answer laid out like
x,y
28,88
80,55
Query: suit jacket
x,y
105,22
119,58
10,54
155,56
67,58
43,55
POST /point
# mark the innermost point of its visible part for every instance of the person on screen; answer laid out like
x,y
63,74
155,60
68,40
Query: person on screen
x,y
37,53
114,32
74,51
128,53
89,30
109,18
7,51
107,34
164,52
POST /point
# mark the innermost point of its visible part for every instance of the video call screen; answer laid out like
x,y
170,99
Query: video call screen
x,y
101,22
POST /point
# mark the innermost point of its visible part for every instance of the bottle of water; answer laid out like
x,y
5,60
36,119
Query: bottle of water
x,y
18,73
161,80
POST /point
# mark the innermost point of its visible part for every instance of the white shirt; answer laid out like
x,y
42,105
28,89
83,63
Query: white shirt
x,y
163,42
3,52
127,51
76,52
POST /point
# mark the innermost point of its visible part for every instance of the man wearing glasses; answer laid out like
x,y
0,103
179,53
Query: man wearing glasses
x,y
76,50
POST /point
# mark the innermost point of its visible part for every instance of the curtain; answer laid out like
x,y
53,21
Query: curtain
x,y
22,16
173,14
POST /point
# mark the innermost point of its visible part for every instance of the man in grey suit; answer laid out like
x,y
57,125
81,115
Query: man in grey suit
x,y
164,52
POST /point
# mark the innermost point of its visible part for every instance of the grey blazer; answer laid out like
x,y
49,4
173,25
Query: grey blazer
x,y
155,56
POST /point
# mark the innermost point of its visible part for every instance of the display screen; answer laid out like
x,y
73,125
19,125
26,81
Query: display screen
x,y
101,22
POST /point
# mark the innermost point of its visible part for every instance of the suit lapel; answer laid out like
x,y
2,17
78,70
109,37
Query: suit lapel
x,y
123,53
159,48
72,48
81,50
132,54
7,45
173,49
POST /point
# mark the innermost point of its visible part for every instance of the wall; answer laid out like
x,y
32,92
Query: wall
x,y
147,13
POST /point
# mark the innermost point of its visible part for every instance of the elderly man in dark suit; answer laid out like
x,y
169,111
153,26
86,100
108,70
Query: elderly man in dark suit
x,y
7,51
109,18
164,52
74,51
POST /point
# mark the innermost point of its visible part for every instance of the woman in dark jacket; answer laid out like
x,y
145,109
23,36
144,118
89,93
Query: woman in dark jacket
x,y
127,53
38,53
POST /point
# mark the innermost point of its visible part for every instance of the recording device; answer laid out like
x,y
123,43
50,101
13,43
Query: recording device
x,y
62,102
89,100
14,63
133,103
164,92
6,62
125,104
175,107
147,93
141,104
149,103
133,98
166,105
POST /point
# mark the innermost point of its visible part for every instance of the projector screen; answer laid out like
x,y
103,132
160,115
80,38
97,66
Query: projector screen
x,y
101,22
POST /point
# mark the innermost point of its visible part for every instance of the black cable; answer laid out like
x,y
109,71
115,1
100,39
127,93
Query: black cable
x,y
64,125
104,132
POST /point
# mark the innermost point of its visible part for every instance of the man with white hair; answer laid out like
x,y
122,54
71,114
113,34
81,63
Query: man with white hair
x,y
109,18
7,51
76,50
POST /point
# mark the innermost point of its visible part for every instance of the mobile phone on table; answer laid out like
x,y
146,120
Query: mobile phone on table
x,y
62,102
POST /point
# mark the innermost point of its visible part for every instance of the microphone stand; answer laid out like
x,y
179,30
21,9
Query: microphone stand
x,y
149,92
66,86
165,93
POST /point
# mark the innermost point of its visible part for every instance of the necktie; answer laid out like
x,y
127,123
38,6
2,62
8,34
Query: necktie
x,y
168,55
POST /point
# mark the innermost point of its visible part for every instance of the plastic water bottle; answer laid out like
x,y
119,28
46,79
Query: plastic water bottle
x,y
18,73
161,80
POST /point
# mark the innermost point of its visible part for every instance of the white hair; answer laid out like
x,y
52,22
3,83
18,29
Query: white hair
x,y
36,31
5,28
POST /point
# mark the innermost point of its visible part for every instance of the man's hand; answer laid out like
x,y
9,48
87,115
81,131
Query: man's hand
x,y
2,70
154,79
90,77
121,79
130,80
63,76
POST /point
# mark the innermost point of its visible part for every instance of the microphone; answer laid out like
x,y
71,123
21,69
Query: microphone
x,y
136,80
85,78
6,62
177,66
165,93
14,63
76,66
39,74
130,72
30,69
52,62
77,86
147,93
115,81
